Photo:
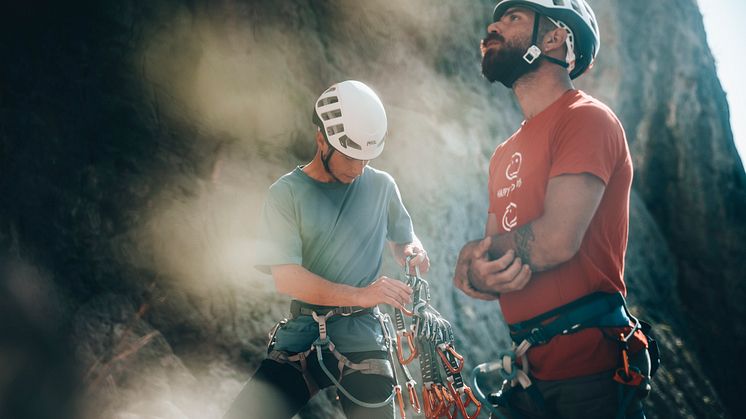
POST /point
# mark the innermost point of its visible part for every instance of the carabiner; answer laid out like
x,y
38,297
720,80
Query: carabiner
x,y
407,269
397,389
413,399
430,402
448,363
470,399
463,404
400,335
448,400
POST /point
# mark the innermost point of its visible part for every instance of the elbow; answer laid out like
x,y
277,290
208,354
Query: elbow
x,y
561,249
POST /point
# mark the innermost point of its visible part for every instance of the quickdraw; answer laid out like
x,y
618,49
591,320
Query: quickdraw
x,y
430,338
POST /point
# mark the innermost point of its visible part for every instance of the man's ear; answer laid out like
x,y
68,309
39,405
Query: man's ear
x,y
320,140
554,40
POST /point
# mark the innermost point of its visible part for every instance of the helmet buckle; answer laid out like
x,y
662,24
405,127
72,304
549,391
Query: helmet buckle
x,y
532,54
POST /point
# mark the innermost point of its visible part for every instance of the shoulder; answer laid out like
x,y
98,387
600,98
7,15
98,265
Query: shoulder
x,y
589,112
283,187
379,177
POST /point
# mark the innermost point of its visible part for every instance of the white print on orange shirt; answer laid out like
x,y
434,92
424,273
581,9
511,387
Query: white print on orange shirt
x,y
510,218
511,172
503,192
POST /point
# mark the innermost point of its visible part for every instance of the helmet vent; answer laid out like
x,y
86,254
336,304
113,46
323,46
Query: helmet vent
x,y
335,129
576,6
559,2
345,142
589,12
351,118
337,113
327,101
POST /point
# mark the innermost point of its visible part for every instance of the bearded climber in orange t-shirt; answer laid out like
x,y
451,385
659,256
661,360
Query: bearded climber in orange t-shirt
x,y
556,230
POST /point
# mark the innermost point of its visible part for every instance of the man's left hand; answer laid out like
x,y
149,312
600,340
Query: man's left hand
x,y
479,277
420,258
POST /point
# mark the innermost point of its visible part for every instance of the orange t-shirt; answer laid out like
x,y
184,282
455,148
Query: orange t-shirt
x,y
575,134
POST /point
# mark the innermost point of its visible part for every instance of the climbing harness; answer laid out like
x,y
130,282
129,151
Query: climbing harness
x,y
428,338
601,310
321,314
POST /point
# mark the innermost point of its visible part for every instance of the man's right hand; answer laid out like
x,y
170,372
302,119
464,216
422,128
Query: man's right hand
x,y
481,278
472,250
384,290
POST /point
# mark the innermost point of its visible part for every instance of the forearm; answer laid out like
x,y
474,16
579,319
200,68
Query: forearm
x,y
301,284
506,262
536,244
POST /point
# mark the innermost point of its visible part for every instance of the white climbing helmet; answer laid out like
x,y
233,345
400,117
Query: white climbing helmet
x,y
352,118
576,15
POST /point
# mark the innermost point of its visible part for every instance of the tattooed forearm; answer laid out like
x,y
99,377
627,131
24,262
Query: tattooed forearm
x,y
524,241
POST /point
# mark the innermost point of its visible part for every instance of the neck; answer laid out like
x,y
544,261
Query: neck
x,y
536,91
315,169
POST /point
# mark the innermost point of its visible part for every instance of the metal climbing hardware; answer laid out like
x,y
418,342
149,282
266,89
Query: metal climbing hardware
x,y
429,338
402,335
273,334
601,310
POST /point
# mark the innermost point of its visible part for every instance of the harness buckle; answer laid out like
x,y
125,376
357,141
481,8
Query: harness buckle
x,y
537,337
321,320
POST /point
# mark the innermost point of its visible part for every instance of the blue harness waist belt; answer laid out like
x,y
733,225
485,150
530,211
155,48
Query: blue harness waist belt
x,y
595,310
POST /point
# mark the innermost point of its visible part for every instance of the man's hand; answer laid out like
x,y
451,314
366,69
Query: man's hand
x,y
421,259
469,252
478,277
502,275
384,290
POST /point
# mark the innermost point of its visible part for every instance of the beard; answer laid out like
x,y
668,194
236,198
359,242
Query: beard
x,y
505,64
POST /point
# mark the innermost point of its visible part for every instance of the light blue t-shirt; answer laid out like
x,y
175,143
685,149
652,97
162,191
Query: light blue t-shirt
x,y
337,231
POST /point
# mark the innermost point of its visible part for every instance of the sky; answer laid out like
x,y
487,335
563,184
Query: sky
x,y
723,21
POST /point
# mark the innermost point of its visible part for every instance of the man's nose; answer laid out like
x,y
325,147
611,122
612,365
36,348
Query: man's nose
x,y
494,27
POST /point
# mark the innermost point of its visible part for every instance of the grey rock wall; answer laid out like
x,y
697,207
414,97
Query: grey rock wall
x,y
137,141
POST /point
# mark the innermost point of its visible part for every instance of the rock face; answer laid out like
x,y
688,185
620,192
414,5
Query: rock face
x,y
137,141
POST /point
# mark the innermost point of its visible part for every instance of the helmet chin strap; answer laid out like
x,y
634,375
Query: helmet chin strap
x,y
533,53
325,161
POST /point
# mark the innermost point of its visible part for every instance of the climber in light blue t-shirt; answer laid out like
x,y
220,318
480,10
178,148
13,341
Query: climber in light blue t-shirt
x,y
329,238
322,235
